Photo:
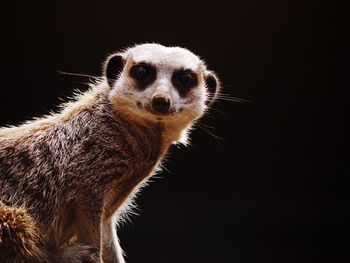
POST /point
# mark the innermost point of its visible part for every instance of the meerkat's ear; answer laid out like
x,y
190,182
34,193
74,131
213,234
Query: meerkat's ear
x,y
212,84
113,67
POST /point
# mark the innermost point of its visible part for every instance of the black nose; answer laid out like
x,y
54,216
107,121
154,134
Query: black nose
x,y
161,104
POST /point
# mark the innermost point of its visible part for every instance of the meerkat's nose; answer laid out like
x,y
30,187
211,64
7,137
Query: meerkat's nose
x,y
161,104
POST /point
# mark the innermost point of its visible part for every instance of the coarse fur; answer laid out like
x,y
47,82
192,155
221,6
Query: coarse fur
x,y
67,176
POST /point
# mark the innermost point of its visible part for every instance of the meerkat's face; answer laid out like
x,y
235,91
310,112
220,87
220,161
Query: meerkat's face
x,y
161,84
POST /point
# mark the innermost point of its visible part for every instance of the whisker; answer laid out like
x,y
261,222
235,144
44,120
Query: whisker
x,y
79,75
225,94
228,97
233,100
207,126
209,132
216,138
217,110
208,115
95,78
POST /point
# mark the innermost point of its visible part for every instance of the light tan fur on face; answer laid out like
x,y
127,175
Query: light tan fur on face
x,y
136,104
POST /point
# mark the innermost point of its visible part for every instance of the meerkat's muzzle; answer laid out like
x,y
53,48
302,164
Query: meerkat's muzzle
x,y
161,104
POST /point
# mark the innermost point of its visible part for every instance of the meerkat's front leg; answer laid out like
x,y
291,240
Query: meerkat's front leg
x,y
87,227
111,250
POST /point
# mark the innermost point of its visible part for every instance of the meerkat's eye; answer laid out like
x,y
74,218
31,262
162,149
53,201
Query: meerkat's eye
x,y
143,73
184,80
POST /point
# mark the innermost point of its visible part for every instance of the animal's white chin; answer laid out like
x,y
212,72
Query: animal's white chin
x,y
175,117
149,113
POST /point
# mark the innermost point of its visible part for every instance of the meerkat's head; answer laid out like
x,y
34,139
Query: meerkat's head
x,y
152,82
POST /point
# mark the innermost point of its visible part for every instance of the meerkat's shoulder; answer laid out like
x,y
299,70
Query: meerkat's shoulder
x,y
79,103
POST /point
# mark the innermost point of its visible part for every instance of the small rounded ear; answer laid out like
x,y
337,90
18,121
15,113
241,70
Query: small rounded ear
x,y
212,84
113,67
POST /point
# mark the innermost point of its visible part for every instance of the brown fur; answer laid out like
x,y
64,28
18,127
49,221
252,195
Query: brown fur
x,y
66,175
17,227
63,168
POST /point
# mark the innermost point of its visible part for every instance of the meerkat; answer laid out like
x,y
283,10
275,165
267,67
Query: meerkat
x,y
68,175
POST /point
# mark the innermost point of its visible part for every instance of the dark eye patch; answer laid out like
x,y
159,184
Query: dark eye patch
x,y
144,74
184,80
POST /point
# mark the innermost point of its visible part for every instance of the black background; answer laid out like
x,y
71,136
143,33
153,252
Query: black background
x,y
272,189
